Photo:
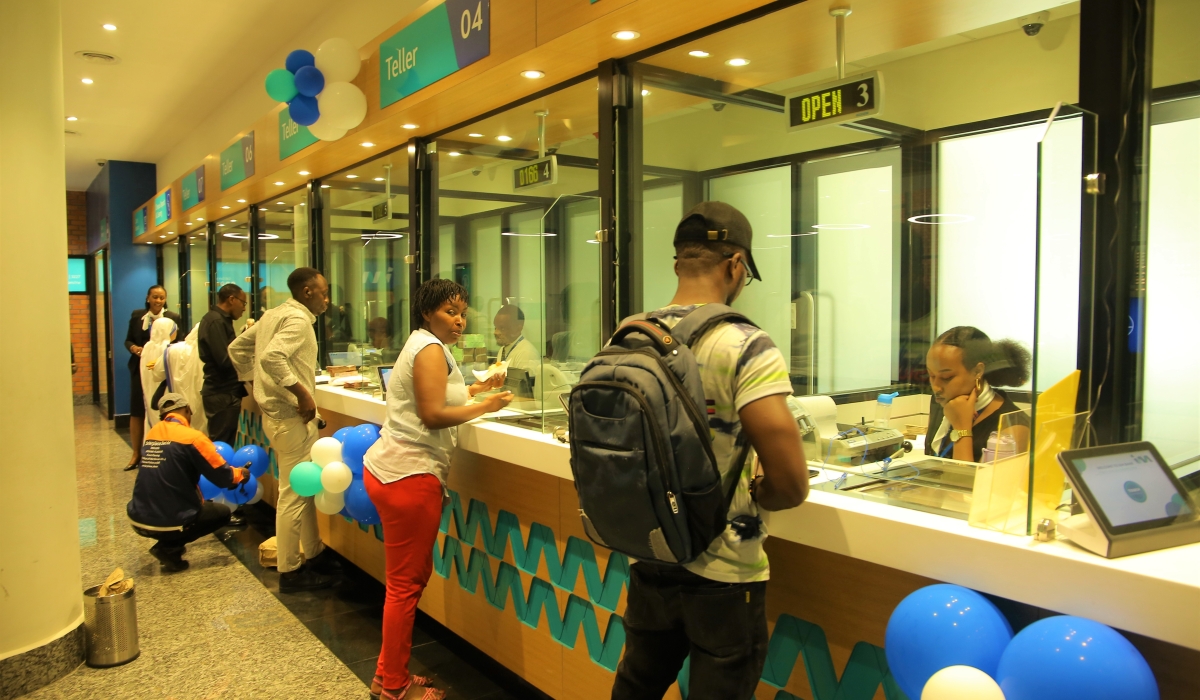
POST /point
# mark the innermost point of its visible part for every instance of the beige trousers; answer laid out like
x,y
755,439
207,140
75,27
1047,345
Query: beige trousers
x,y
295,515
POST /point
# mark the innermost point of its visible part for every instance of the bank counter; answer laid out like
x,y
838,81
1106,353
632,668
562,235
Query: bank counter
x,y
515,575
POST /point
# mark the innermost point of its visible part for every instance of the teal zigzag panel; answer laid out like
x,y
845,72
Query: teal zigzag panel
x,y
564,629
605,592
250,432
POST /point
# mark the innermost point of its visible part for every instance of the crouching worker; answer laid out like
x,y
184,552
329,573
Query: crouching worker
x,y
167,505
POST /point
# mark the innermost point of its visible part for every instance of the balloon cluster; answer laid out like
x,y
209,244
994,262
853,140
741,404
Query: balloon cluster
x,y
946,642
334,477
318,90
249,491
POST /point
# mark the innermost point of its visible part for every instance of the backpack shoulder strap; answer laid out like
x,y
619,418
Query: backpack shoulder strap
x,y
693,326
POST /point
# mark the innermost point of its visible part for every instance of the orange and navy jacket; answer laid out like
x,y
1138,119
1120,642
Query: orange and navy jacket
x,y
166,495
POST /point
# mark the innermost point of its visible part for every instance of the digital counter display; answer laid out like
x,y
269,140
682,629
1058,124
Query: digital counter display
x,y
845,100
536,174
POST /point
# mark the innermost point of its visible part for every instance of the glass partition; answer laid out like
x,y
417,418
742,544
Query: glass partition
x,y
517,209
365,228
232,257
169,253
197,273
1170,375
282,241
957,204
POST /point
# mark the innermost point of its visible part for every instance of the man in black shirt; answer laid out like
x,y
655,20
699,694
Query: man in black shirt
x,y
222,391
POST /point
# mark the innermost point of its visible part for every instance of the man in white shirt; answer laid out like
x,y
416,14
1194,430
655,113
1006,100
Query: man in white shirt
x,y
509,325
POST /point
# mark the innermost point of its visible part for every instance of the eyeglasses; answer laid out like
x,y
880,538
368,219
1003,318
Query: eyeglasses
x,y
749,275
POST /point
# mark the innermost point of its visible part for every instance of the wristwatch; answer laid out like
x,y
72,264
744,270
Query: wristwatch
x,y
956,435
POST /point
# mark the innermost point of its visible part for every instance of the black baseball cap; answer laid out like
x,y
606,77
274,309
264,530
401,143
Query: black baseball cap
x,y
718,221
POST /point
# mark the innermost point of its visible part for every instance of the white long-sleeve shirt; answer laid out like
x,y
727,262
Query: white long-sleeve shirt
x,y
275,353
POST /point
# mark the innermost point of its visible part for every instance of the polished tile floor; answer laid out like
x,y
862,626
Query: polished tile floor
x,y
222,629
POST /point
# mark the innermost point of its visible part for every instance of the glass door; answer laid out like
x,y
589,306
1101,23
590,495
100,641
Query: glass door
x,y
102,368
232,257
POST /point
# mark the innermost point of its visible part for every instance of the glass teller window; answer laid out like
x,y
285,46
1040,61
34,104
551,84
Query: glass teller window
x,y
232,257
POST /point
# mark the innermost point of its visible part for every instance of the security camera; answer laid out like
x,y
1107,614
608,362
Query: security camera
x,y
101,162
718,106
1032,24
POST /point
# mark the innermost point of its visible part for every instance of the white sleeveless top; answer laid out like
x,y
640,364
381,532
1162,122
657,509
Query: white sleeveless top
x,y
406,446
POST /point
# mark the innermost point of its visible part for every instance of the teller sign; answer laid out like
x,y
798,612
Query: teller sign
x,y
538,173
848,99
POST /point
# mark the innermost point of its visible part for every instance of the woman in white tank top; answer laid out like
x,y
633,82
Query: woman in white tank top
x,y
406,468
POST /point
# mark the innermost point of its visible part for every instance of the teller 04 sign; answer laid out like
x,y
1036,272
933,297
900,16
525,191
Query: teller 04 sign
x,y
849,99
538,173
444,40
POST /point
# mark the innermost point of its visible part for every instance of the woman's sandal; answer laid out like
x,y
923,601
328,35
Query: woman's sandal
x,y
132,465
414,691
377,684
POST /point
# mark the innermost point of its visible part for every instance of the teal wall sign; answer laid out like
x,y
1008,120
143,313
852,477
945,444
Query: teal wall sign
x,y
77,277
237,161
444,40
193,188
141,221
162,207
293,137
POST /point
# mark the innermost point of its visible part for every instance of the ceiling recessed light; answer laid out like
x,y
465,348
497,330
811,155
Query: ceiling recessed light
x,y
324,187
532,74
280,202
88,81
699,54
199,218
277,184
225,207
475,136
72,119
737,62
454,154
625,35
263,209
645,92
241,201
221,225
409,126
303,172
110,27
504,138
233,221
367,144
351,177
162,236
378,179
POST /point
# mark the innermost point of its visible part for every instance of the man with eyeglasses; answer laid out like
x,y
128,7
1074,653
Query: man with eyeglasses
x,y
222,392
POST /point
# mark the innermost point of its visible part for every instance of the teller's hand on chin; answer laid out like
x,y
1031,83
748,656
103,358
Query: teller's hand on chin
x,y
960,410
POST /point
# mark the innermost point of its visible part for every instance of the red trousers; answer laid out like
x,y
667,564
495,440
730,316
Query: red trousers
x,y
411,510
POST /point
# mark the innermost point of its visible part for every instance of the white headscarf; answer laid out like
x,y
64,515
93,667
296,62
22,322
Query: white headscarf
x,y
983,399
151,317
160,338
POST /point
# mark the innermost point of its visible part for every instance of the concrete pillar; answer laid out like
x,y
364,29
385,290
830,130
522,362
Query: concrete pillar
x,y
41,606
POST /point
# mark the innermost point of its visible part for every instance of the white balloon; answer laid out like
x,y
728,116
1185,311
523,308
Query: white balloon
x,y
959,683
325,130
336,477
329,503
338,61
221,499
343,104
258,493
326,450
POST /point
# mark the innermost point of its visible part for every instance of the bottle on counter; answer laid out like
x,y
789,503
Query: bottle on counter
x,y
883,409
999,447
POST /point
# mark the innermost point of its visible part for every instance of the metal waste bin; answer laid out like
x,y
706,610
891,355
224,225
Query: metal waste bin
x,y
110,623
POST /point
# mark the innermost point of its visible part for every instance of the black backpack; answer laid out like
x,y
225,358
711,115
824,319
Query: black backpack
x,y
649,485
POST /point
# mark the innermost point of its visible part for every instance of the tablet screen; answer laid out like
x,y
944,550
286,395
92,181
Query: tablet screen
x,y
385,373
1131,487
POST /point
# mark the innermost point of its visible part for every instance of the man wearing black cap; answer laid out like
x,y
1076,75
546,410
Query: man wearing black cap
x,y
166,504
713,609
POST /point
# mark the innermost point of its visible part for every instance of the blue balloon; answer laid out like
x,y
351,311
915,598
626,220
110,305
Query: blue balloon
x,y
257,457
356,444
359,505
208,489
226,452
939,626
340,435
241,493
304,110
309,81
1073,658
299,59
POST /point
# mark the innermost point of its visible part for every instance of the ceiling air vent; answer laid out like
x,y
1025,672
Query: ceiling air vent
x,y
97,57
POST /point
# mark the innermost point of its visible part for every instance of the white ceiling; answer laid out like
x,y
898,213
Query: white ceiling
x,y
180,63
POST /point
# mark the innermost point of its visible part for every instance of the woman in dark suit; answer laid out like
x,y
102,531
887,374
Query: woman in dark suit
x,y
135,339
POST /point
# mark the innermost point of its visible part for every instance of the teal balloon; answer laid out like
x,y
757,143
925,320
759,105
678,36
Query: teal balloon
x,y
305,479
281,85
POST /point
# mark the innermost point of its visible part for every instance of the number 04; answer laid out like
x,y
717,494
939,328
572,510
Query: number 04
x,y
466,23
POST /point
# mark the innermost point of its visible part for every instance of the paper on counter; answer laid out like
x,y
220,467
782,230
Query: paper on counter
x,y
491,371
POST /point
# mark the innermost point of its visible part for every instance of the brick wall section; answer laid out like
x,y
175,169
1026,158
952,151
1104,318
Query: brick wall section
x,y
81,304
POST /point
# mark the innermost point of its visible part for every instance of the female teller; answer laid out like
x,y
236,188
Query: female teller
x,y
135,339
965,366
406,469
